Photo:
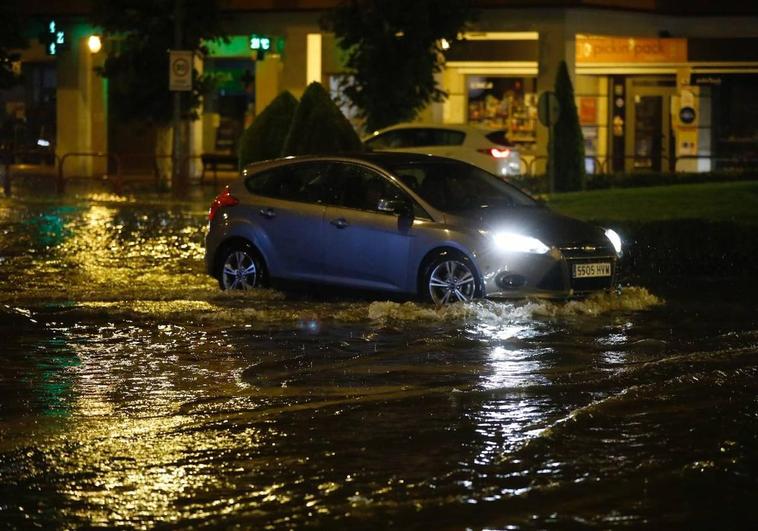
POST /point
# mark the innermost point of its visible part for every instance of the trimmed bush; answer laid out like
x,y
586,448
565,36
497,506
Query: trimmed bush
x,y
265,137
569,141
319,126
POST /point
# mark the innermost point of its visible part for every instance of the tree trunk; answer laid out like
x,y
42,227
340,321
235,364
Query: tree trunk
x,y
164,135
181,182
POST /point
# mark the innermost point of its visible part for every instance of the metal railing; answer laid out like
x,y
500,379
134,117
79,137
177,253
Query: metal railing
x,y
110,158
641,164
25,158
25,161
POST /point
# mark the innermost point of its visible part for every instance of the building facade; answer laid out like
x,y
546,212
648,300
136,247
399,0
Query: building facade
x,y
659,86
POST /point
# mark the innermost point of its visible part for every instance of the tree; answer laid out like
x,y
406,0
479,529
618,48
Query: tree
x,y
139,34
568,141
11,38
142,32
393,49
265,137
319,126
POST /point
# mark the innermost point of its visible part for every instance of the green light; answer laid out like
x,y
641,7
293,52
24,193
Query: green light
x,y
55,39
258,42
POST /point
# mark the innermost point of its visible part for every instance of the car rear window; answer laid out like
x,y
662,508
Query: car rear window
x,y
294,182
499,138
416,137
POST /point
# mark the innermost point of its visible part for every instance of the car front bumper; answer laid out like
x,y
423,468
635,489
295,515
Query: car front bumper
x,y
549,275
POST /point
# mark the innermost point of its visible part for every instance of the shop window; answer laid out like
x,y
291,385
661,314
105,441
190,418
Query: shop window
x,y
232,99
507,103
28,110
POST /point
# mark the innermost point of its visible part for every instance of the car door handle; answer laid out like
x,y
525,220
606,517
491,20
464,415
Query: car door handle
x,y
267,213
340,223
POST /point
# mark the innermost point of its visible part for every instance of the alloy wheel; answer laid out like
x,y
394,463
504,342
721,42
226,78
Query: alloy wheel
x,y
451,281
240,271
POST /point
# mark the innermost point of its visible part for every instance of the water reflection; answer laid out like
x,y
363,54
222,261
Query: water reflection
x,y
133,393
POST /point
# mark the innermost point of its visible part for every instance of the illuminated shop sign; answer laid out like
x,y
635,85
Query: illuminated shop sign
x,y
597,49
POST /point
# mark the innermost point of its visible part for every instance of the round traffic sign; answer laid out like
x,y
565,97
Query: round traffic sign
x,y
180,67
548,109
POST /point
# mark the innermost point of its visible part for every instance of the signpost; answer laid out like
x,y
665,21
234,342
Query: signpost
x,y
548,112
180,70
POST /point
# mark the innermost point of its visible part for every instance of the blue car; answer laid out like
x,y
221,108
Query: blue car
x,y
437,229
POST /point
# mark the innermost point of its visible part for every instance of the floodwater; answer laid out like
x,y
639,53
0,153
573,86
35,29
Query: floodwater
x,y
133,393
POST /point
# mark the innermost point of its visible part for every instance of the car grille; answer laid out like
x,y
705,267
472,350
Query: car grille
x,y
555,278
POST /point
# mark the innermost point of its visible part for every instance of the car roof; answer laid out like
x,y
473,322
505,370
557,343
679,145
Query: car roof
x,y
464,128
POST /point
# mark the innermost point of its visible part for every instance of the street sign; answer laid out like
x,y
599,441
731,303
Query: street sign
x,y
180,70
548,109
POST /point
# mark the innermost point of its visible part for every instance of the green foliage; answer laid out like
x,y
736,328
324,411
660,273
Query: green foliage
x,y
537,184
319,126
392,53
569,141
11,38
140,33
265,137
689,229
724,201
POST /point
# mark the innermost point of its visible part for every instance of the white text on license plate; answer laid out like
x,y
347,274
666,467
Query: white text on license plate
x,y
598,269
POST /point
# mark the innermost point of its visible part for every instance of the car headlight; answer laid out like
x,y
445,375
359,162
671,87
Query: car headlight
x,y
518,243
615,239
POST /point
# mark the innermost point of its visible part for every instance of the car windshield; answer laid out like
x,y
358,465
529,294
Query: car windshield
x,y
455,186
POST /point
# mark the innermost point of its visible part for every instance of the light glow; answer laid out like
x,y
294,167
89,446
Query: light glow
x,y
518,243
313,65
94,43
615,239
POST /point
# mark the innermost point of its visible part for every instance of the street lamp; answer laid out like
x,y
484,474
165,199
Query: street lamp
x,y
94,43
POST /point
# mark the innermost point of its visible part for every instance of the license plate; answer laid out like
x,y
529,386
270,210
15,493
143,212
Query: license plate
x,y
597,269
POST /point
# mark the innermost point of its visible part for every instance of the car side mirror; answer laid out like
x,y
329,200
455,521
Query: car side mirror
x,y
396,206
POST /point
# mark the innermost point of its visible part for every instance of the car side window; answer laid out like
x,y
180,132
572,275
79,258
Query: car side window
x,y
298,182
430,137
361,188
445,137
388,140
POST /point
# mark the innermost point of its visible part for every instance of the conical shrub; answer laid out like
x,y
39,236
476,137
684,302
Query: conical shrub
x,y
319,126
264,138
569,140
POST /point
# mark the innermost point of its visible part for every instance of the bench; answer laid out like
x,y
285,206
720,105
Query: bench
x,y
214,161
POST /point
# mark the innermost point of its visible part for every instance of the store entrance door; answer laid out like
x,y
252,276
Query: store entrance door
x,y
648,135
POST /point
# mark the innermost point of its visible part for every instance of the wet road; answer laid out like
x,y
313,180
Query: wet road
x,y
134,393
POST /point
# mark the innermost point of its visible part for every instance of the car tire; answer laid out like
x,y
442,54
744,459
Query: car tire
x,y
449,277
241,267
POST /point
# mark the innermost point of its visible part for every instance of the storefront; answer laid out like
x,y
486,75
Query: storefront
x,y
645,104
491,81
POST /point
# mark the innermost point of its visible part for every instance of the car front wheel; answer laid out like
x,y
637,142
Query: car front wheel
x,y
450,278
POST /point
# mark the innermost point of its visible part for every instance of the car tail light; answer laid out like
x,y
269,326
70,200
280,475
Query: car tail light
x,y
497,153
225,198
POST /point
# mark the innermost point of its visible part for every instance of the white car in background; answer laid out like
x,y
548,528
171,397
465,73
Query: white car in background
x,y
486,149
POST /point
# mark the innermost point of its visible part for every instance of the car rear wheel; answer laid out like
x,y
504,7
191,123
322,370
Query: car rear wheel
x,y
450,278
241,268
